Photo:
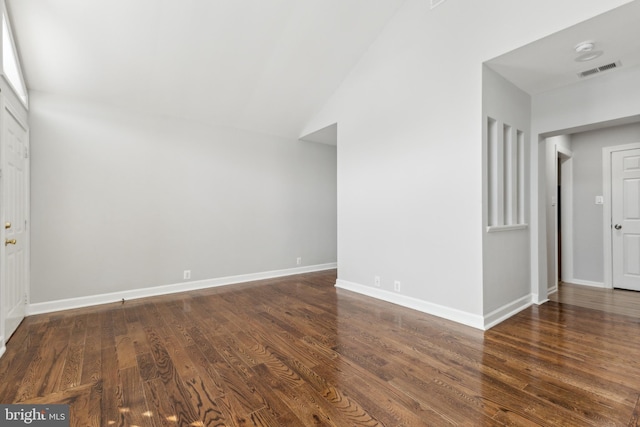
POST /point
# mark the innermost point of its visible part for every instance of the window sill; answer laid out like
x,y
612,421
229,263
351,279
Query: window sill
x,y
496,228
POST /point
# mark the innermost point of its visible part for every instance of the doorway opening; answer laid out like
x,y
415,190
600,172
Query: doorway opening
x,y
559,222
564,215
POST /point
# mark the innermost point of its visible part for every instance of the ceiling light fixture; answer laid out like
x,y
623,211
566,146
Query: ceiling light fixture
x,y
585,46
585,51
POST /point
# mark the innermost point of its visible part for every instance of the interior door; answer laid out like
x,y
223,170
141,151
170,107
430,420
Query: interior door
x,y
15,199
625,218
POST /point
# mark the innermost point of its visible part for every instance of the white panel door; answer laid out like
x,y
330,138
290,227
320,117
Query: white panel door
x,y
625,218
15,193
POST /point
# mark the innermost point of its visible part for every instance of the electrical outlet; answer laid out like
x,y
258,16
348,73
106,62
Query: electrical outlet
x,y
298,260
376,281
396,285
186,275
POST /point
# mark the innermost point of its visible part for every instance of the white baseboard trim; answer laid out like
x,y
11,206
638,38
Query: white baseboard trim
x,y
586,283
535,299
80,302
552,290
448,313
507,310
3,348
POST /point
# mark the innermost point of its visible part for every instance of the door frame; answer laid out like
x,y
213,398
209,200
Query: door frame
x,y
606,217
565,218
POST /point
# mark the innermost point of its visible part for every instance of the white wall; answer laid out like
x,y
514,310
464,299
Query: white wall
x,y
506,259
587,184
123,201
594,102
410,152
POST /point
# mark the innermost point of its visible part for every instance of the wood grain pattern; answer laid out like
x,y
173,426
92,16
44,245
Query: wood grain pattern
x,y
610,300
296,351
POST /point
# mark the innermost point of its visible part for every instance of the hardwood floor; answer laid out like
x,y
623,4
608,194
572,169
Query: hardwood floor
x,y
611,300
296,351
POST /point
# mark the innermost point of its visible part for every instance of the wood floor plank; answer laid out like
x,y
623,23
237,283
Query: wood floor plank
x,y
77,397
109,370
15,363
132,406
635,416
296,351
126,352
92,356
273,404
166,410
173,388
42,374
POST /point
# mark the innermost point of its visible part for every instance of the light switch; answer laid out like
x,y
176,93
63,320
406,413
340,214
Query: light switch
x,y
599,200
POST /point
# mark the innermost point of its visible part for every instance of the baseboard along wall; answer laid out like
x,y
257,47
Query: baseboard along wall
x,y
459,316
87,301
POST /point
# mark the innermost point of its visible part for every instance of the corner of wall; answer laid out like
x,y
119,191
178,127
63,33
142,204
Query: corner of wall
x,y
506,311
459,316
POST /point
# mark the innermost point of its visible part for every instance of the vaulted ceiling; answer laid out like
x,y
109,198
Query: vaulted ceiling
x,y
261,65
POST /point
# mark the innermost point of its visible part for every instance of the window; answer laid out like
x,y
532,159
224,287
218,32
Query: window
x,y
506,179
10,65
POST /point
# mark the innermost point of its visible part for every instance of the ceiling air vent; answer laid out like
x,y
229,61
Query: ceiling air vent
x,y
600,69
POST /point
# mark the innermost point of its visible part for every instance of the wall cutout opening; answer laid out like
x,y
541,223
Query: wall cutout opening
x,y
506,190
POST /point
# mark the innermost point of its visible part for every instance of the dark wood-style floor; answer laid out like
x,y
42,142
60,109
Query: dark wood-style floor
x,y
296,351
610,300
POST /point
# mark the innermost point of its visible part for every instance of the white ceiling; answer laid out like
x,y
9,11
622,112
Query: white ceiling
x,y
264,65
550,63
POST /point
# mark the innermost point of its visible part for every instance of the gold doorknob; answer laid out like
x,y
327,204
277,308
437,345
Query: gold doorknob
x,y
7,225
10,242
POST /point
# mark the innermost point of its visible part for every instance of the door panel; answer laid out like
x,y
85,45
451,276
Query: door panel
x,y
625,216
15,150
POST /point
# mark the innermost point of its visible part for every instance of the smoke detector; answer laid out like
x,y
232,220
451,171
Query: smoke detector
x,y
585,51
585,46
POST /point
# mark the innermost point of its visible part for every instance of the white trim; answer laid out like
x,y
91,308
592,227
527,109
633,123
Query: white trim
x,y
536,301
552,290
586,283
506,311
494,228
3,348
448,313
80,302
566,217
606,217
